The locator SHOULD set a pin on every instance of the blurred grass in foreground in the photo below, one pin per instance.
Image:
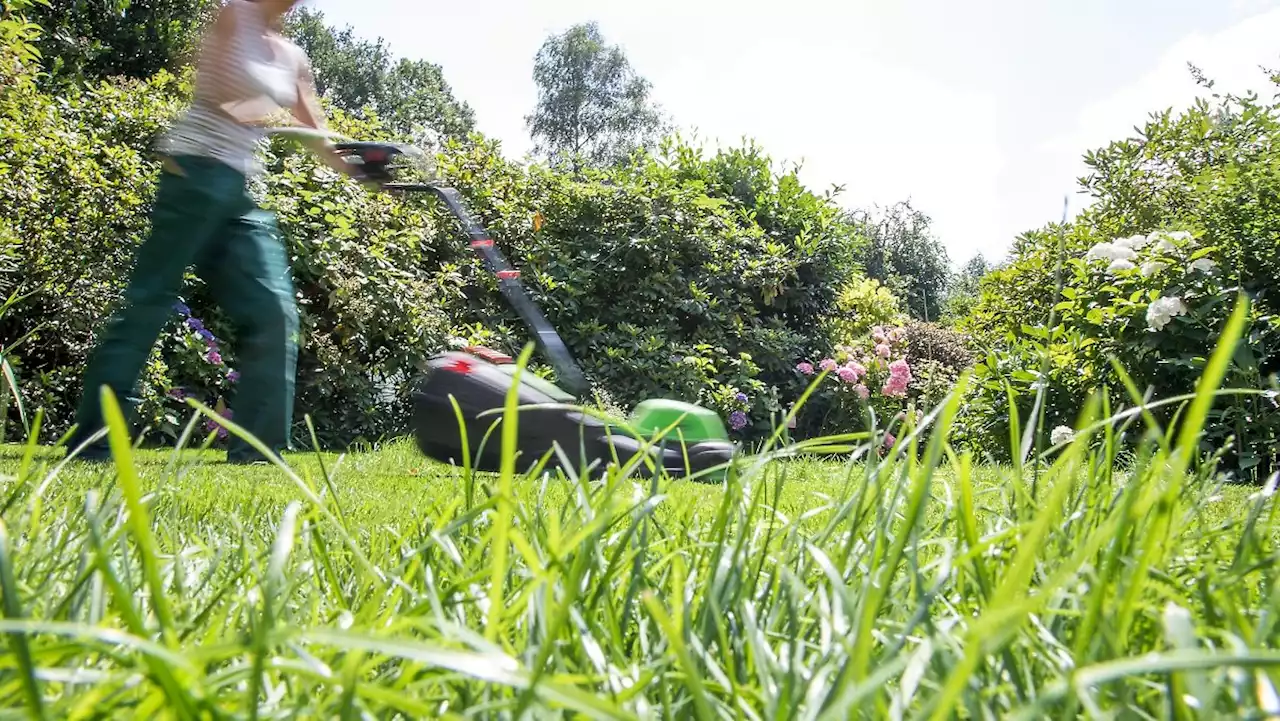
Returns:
(383, 585)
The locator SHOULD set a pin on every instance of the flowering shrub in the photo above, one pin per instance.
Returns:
(198, 370)
(873, 374)
(1154, 301)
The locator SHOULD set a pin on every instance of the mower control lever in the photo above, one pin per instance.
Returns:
(373, 158)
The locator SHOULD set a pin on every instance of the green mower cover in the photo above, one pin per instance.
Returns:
(698, 424)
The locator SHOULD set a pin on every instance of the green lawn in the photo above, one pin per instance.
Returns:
(376, 586)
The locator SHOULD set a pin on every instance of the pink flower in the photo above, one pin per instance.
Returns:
(895, 335)
(848, 375)
(900, 368)
(879, 337)
(895, 387)
(862, 391)
(889, 440)
(827, 365)
(857, 367)
(805, 368)
(215, 357)
(882, 350)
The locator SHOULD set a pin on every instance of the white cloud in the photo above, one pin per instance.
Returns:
(1231, 57)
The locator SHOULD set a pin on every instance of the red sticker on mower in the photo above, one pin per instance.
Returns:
(460, 366)
(508, 274)
(483, 243)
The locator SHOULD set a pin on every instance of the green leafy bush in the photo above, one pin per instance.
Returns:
(1185, 218)
(76, 197)
(947, 347)
(676, 275)
(1154, 303)
(861, 304)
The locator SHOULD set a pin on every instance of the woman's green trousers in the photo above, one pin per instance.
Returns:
(204, 217)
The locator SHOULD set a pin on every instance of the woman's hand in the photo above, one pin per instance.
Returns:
(308, 113)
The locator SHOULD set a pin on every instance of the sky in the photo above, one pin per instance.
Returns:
(978, 113)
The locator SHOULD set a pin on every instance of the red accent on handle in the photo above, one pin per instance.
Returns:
(485, 243)
(489, 354)
(508, 274)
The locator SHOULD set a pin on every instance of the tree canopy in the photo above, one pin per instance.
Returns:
(903, 253)
(593, 107)
(95, 39)
(361, 75)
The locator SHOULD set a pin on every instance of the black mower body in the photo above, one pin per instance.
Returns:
(480, 387)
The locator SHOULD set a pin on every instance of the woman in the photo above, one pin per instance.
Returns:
(204, 216)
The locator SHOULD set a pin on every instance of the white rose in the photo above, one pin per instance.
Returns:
(1110, 251)
(1101, 251)
(1204, 265)
(1150, 268)
(1136, 242)
(1162, 310)
(1061, 434)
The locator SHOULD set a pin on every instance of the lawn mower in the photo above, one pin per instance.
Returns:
(551, 421)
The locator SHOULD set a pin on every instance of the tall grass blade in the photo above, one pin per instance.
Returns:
(18, 641)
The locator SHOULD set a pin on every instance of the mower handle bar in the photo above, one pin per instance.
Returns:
(375, 158)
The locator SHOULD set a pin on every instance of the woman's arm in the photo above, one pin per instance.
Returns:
(308, 112)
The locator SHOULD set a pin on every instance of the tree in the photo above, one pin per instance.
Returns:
(95, 39)
(359, 75)
(963, 293)
(592, 106)
(902, 253)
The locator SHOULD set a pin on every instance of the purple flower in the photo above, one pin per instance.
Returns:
(233, 377)
(181, 309)
(742, 397)
(212, 425)
(207, 335)
(738, 420)
(211, 344)
(195, 324)
(177, 394)
(215, 358)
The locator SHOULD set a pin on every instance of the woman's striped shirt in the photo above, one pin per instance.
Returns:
(257, 67)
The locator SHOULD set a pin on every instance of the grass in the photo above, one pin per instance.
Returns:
(382, 585)
(801, 593)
